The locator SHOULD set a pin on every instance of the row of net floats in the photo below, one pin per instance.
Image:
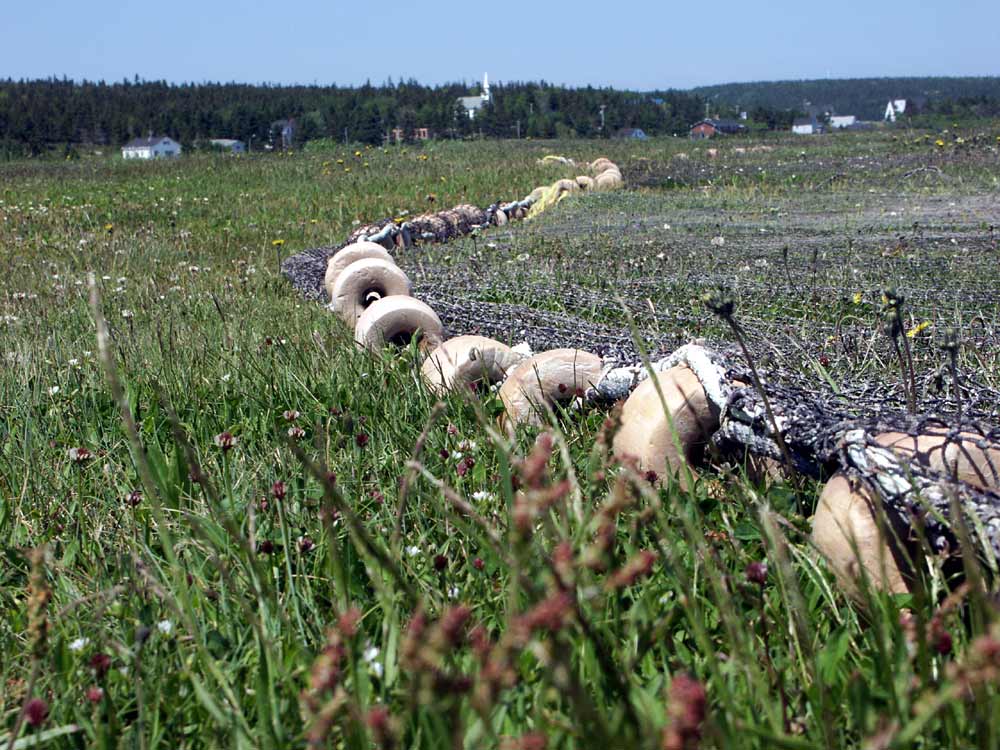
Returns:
(671, 409)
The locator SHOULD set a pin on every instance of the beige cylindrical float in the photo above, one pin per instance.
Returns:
(566, 186)
(552, 376)
(395, 321)
(537, 193)
(663, 436)
(846, 530)
(348, 255)
(364, 282)
(845, 512)
(467, 359)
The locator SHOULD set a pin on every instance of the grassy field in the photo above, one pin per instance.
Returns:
(223, 526)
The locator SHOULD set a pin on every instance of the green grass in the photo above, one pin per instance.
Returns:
(224, 601)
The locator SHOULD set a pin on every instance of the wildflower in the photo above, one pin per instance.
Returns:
(78, 644)
(306, 544)
(687, 712)
(78, 455)
(279, 489)
(296, 433)
(36, 711)
(756, 572)
(633, 570)
(453, 592)
(134, 498)
(165, 626)
(918, 329)
(440, 562)
(109, 228)
(361, 439)
(482, 495)
(277, 243)
(100, 663)
(939, 143)
(265, 547)
(857, 298)
(478, 563)
(226, 441)
(127, 314)
(54, 390)
(95, 694)
(412, 551)
(290, 415)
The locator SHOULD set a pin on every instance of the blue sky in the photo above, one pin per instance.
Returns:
(639, 44)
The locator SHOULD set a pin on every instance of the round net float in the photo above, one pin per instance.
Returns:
(585, 182)
(395, 321)
(960, 457)
(467, 359)
(552, 376)
(349, 254)
(366, 281)
(607, 181)
(846, 530)
(601, 163)
(647, 435)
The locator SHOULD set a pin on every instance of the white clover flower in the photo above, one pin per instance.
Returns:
(413, 550)
(165, 626)
(128, 314)
(74, 362)
(482, 495)
(78, 644)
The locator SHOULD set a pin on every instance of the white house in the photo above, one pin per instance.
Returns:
(842, 121)
(472, 104)
(894, 108)
(807, 126)
(229, 145)
(153, 147)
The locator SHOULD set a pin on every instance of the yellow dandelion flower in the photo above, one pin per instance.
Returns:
(109, 227)
(918, 329)
(857, 298)
(314, 221)
(277, 243)
(939, 143)
(423, 157)
(357, 153)
(347, 169)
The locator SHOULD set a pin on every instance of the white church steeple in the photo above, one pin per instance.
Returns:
(485, 96)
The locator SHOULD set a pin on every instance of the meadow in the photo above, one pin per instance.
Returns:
(223, 525)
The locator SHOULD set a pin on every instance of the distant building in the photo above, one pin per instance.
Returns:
(284, 132)
(632, 133)
(807, 126)
(711, 127)
(838, 122)
(417, 134)
(472, 104)
(152, 147)
(894, 109)
(230, 145)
